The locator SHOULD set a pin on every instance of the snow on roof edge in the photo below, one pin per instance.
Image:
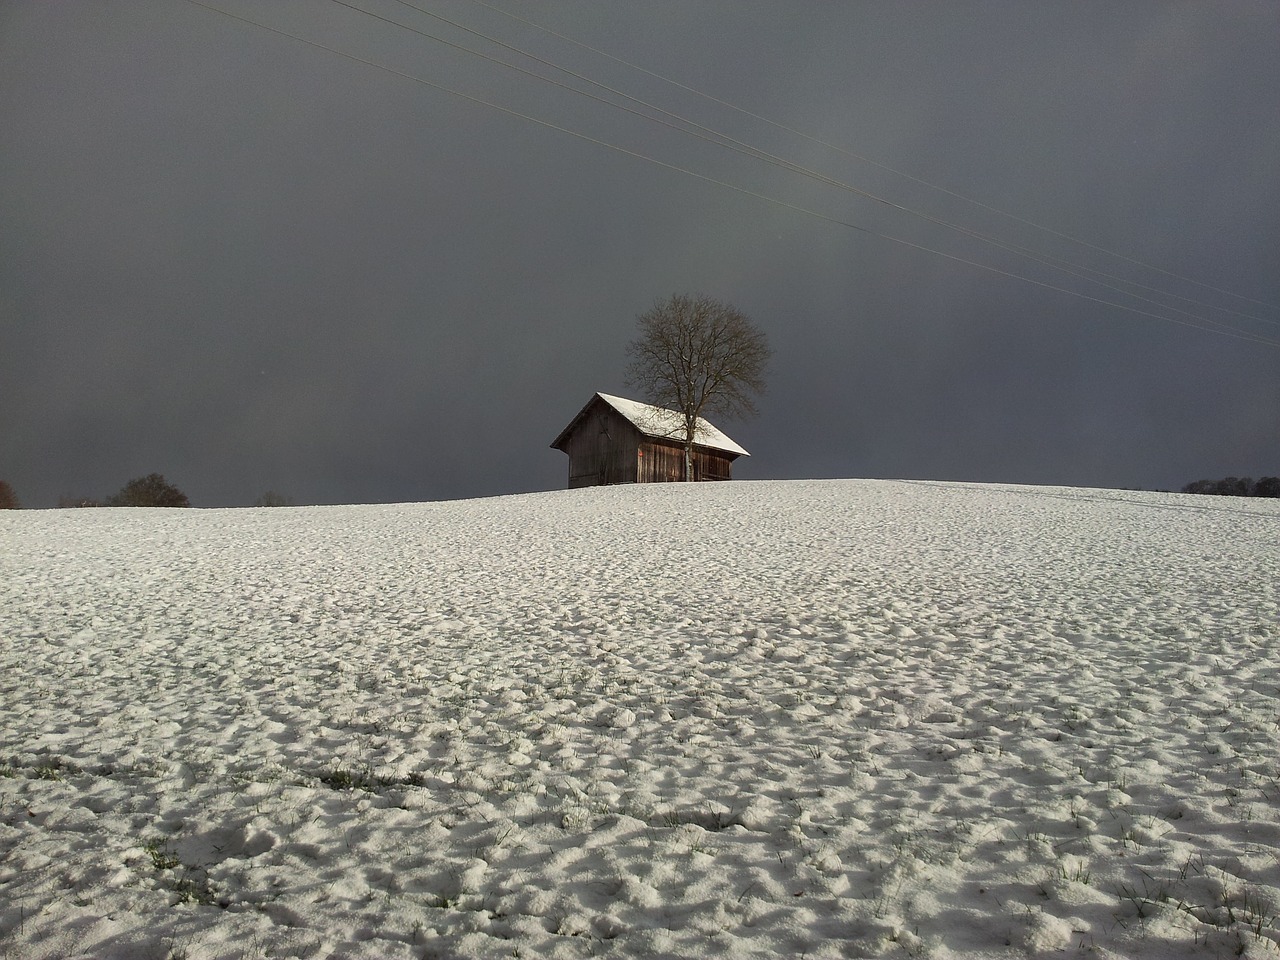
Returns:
(648, 419)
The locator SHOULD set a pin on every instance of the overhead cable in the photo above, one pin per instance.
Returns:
(1201, 325)
(907, 176)
(699, 131)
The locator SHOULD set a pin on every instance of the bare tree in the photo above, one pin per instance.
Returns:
(273, 499)
(697, 357)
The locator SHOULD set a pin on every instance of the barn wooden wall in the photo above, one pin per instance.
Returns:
(659, 462)
(605, 448)
(602, 450)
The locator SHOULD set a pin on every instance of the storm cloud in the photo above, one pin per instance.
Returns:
(249, 262)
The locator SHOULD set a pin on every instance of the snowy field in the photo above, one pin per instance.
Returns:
(786, 719)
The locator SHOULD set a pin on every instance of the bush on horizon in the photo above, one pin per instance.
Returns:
(149, 491)
(1236, 487)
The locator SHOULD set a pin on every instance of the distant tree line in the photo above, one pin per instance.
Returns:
(273, 499)
(153, 490)
(1237, 487)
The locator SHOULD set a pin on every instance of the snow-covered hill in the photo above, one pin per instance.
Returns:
(822, 719)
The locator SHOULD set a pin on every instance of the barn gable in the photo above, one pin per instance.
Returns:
(615, 440)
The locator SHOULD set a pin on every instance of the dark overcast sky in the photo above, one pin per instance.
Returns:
(250, 264)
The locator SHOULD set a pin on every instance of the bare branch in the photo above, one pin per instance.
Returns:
(698, 356)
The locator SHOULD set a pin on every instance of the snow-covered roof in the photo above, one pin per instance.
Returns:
(669, 425)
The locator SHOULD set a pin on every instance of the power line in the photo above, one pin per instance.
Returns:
(914, 179)
(710, 135)
(717, 138)
(1241, 335)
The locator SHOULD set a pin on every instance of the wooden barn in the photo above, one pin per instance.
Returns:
(613, 440)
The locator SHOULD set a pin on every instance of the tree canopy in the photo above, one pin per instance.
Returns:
(698, 357)
(149, 491)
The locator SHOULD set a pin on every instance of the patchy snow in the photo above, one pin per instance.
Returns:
(822, 719)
